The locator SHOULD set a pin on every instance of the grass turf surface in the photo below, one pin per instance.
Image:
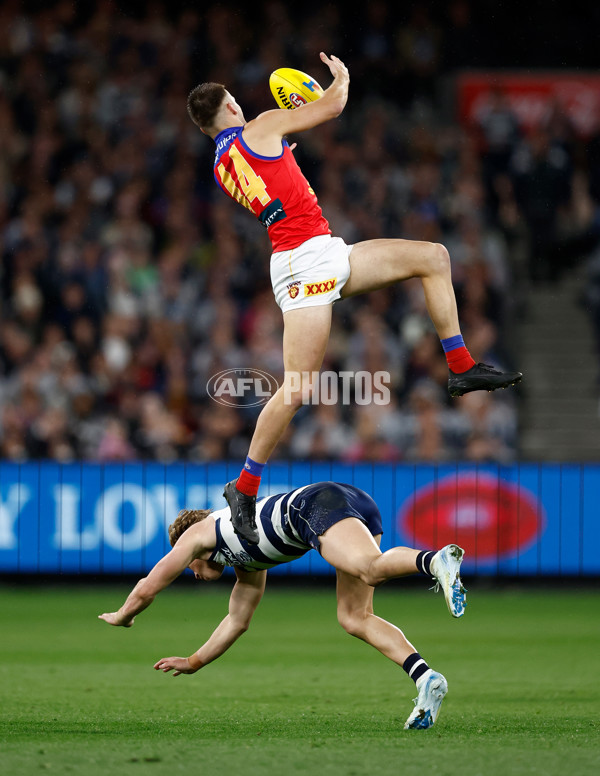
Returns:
(296, 695)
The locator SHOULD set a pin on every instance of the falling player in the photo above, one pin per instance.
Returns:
(310, 269)
(341, 522)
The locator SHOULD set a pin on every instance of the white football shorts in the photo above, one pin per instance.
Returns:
(312, 274)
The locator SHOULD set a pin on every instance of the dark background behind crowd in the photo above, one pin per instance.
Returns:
(128, 279)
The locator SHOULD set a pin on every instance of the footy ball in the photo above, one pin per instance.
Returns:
(293, 88)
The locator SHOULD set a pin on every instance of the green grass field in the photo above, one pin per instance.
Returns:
(296, 695)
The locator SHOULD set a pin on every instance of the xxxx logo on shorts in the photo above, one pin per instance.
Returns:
(313, 289)
(293, 289)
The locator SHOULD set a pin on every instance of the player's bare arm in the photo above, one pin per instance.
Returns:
(245, 597)
(263, 134)
(191, 546)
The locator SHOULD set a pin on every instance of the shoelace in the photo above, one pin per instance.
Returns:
(436, 588)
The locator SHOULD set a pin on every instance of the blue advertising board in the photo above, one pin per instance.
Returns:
(518, 520)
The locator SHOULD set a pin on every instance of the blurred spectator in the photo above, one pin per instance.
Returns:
(323, 435)
(114, 445)
(427, 432)
(489, 426)
(462, 38)
(591, 296)
(542, 172)
(500, 132)
(419, 43)
(371, 442)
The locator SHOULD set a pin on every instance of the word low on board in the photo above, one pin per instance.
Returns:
(518, 520)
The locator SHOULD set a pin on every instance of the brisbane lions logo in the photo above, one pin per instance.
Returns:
(297, 99)
(293, 289)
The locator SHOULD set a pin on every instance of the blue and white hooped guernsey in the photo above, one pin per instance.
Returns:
(290, 524)
(279, 542)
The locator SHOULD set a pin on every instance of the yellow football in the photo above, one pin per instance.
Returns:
(292, 88)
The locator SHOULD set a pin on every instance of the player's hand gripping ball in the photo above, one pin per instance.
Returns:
(293, 88)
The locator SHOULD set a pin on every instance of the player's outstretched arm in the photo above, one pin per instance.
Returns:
(166, 570)
(277, 123)
(245, 597)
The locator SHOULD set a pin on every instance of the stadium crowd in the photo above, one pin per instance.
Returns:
(128, 279)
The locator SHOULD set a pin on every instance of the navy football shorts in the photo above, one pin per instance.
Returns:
(323, 504)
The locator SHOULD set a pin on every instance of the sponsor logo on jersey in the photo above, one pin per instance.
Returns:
(272, 213)
(225, 142)
(241, 558)
(314, 289)
(298, 99)
(293, 289)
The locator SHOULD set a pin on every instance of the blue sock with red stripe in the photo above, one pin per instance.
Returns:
(249, 479)
(458, 357)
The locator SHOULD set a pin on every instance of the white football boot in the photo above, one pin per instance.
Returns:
(445, 568)
(427, 705)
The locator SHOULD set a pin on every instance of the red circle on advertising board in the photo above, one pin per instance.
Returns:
(487, 517)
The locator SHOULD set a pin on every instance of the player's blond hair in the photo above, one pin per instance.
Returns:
(184, 520)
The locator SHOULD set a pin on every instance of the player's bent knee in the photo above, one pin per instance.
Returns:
(440, 258)
(298, 388)
(373, 580)
(352, 622)
(370, 576)
(294, 399)
(432, 259)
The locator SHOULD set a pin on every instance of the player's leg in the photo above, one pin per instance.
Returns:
(376, 264)
(305, 336)
(349, 547)
(379, 263)
(356, 616)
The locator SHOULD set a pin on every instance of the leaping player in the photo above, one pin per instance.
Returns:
(344, 524)
(310, 269)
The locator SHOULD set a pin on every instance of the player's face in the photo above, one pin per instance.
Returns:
(205, 570)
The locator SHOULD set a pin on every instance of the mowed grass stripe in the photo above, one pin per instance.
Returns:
(296, 694)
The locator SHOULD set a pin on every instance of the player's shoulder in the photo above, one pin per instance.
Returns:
(261, 143)
(202, 534)
(265, 117)
(267, 123)
(220, 514)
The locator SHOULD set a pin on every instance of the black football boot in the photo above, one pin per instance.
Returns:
(243, 512)
(480, 377)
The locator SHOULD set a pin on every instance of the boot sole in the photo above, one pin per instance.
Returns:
(460, 390)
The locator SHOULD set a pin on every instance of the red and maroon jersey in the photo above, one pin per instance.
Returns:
(272, 187)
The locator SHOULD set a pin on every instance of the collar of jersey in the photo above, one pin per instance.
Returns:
(225, 138)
